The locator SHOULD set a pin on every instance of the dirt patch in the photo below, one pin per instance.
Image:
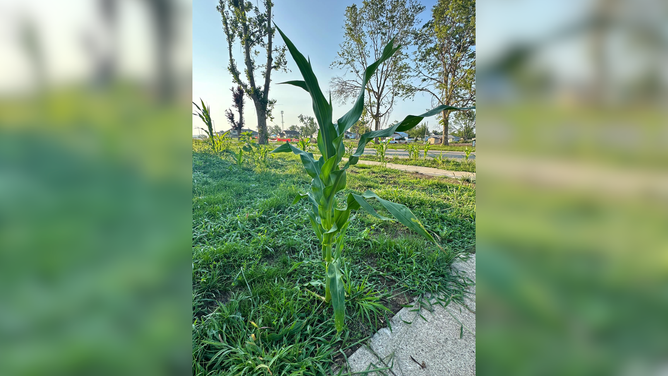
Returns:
(212, 302)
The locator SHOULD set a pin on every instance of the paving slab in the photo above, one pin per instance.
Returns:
(443, 344)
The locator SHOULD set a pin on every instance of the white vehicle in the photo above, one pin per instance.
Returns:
(399, 140)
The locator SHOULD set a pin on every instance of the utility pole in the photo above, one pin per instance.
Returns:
(282, 125)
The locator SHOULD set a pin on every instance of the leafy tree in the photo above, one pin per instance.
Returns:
(253, 28)
(465, 124)
(293, 128)
(309, 126)
(418, 132)
(238, 99)
(367, 30)
(274, 129)
(445, 56)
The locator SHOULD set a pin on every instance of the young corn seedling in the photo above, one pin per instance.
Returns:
(381, 149)
(304, 144)
(413, 152)
(467, 153)
(204, 113)
(426, 149)
(350, 149)
(439, 158)
(328, 219)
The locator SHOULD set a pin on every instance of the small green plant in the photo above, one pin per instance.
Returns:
(413, 151)
(238, 156)
(350, 149)
(261, 155)
(248, 147)
(328, 219)
(440, 159)
(467, 153)
(304, 144)
(427, 146)
(204, 113)
(381, 150)
(223, 142)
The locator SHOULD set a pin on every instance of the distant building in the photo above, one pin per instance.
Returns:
(290, 134)
(350, 135)
(435, 140)
(453, 138)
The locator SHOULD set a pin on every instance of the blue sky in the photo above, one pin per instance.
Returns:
(316, 29)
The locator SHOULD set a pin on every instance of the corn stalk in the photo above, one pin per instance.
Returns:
(329, 221)
(204, 113)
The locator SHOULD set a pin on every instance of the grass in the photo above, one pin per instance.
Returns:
(447, 163)
(257, 267)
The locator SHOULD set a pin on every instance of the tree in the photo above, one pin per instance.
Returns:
(465, 124)
(367, 30)
(362, 125)
(238, 99)
(309, 126)
(254, 33)
(445, 56)
(418, 132)
(293, 128)
(274, 129)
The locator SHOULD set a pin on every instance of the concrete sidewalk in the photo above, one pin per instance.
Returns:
(431, 347)
(423, 170)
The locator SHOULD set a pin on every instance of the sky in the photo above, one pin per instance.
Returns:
(316, 29)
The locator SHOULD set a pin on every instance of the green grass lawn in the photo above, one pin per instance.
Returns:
(257, 265)
(447, 163)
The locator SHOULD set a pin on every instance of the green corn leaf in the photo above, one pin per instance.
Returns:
(316, 227)
(361, 203)
(338, 183)
(352, 116)
(299, 197)
(301, 84)
(337, 290)
(311, 166)
(321, 108)
(402, 214)
(327, 168)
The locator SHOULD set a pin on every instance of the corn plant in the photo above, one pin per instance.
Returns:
(350, 149)
(439, 158)
(381, 149)
(328, 219)
(427, 146)
(223, 142)
(304, 144)
(413, 151)
(204, 113)
(238, 156)
(467, 153)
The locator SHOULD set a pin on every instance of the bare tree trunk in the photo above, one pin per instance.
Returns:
(446, 116)
(376, 128)
(261, 111)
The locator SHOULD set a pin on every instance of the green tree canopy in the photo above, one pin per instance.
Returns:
(445, 56)
(464, 122)
(367, 30)
(418, 132)
(309, 126)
